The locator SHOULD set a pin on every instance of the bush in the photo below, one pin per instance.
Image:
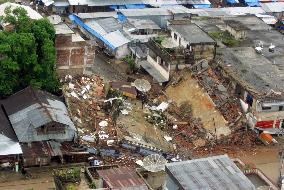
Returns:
(131, 62)
(68, 175)
(226, 38)
(93, 185)
(159, 39)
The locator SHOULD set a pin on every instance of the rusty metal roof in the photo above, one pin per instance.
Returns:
(123, 178)
(124, 87)
(5, 126)
(30, 109)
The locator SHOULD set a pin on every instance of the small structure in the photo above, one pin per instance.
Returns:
(126, 88)
(236, 29)
(188, 35)
(217, 172)
(74, 54)
(122, 178)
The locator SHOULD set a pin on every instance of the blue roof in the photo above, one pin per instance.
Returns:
(79, 22)
(232, 2)
(202, 6)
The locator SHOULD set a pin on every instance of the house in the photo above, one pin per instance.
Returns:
(74, 54)
(36, 115)
(216, 172)
(158, 15)
(121, 178)
(107, 33)
(36, 123)
(273, 8)
(161, 60)
(257, 82)
(10, 149)
(189, 35)
(236, 29)
(84, 6)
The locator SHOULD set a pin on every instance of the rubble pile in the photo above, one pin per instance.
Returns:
(85, 99)
(226, 103)
(186, 131)
(126, 159)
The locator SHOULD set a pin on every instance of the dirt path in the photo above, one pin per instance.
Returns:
(202, 105)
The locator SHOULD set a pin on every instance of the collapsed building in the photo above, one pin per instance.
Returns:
(253, 67)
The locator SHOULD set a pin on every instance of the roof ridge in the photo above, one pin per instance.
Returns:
(40, 101)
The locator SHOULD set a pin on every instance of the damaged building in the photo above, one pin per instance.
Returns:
(188, 35)
(40, 122)
(74, 54)
(254, 68)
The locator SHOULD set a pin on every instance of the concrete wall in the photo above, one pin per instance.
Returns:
(73, 57)
(201, 51)
(241, 34)
(122, 51)
(163, 71)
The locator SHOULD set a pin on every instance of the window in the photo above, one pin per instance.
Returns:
(175, 36)
(266, 108)
(280, 108)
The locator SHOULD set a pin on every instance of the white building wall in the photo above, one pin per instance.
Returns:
(122, 51)
(163, 72)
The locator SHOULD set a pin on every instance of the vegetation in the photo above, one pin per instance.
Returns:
(225, 38)
(68, 175)
(131, 63)
(27, 53)
(159, 39)
(93, 185)
(4, 1)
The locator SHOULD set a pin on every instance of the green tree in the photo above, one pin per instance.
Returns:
(27, 54)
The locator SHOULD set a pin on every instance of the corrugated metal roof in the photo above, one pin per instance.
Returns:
(145, 12)
(62, 29)
(122, 178)
(191, 33)
(217, 172)
(29, 109)
(5, 127)
(95, 26)
(105, 2)
(97, 15)
(8, 146)
(144, 24)
(109, 24)
(274, 7)
(116, 38)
